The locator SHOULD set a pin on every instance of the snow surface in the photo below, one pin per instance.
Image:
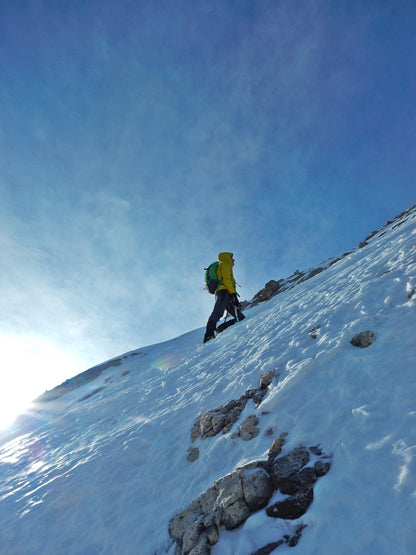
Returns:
(104, 468)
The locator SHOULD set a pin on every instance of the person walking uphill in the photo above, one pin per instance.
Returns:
(225, 297)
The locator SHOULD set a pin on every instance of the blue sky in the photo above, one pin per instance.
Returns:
(139, 139)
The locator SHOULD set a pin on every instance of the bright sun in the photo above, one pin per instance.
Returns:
(29, 367)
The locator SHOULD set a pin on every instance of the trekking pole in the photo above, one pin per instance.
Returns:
(237, 319)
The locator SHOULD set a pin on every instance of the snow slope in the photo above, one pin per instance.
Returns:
(103, 468)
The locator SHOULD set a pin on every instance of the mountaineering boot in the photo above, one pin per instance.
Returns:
(208, 337)
(225, 325)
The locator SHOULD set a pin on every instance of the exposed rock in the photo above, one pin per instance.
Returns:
(276, 448)
(312, 273)
(302, 480)
(267, 549)
(222, 418)
(363, 339)
(248, 429)
(196, 429)
(290, 464)
(257, 488)
(193, 535)
(291, 541)
(293, 507)
(212, 534)
(313, 333)
(321, 467)
(91, 393)
(294, 538)
(270, 290)
(193, 454)
(266, 379)
(235, 515)
(182, 521)
(202, 546)
(230, 501)
(217, 420)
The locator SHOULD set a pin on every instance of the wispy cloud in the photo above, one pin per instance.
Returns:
(154, 137)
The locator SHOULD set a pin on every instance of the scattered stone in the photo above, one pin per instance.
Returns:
(248, 429)
(222, 418)
(293, 540)
(267, 549)
(94, 392)
(316, 450)
(411, 293)
(193, 454)
(363, 339)
(312, 333)
(269, 432)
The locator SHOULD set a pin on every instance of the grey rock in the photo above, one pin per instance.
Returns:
(292, 507)
(286, 466)
(202, 546)
(182, 521)
(321, 467)
(257, 488)
(193, 454)
(363, 339)
(230, 489)
(266, 379)
(230, 501)
(248, 429)
(191, 536)
(267, 549)
(236, 514)
(276, 447)
(213, 534)
(300, 481)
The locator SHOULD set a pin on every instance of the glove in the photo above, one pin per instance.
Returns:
(234, 300)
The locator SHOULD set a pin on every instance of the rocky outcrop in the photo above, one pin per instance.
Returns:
(274, 287)
(222, 418)
(232, 499)
(271, 289)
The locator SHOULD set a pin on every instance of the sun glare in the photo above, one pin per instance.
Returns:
(29, 367)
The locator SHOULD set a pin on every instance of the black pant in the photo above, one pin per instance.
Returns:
(222, 302)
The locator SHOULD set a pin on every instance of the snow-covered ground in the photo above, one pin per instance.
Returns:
(104, 468)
